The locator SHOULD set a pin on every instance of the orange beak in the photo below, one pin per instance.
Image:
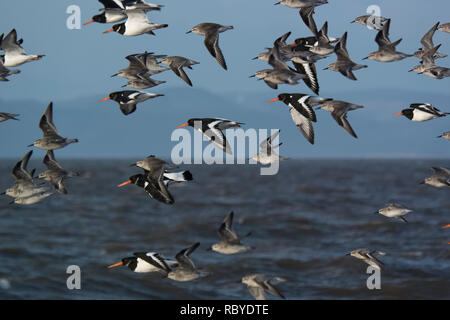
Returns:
(106, 99)
(85, 24)
(293, 43)
(398, 114)
(445, 227)
(108, 31)
(183, 125)
(273, 100)
(115, 265)
(125, 183)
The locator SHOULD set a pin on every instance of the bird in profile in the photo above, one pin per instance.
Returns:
(445, 135)
(394, 210)
(419, 112)
(371, 21)
(152, 180)
(129, 99)
(302, 112)
(368, 256)
(445, 27)
(5, 72)
(137, 24)
(339, 111)
(230, 242)
(55, 174)
(212, 128)
(25, 191)
(386, 49)
(440, 178)
(267, 153)
(428, 44)
(258, 284)
(281, 73)
(142, 65)
(112, 12)
(177, 63)
(14, 53)
(298, 4)
(51, 140)
(4, 116)
(211, 32)
(428, 66)
(344, 64)
(185, 267)
(322, 45)
(145, 262)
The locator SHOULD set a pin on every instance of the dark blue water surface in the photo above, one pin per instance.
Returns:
(303, 222)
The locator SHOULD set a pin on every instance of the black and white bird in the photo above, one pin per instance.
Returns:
(177, 63)
(211, 32)
(113, 11)
(368, 256)
(258, 284)
(440, 178)
(129, 99)
(145, 262)
(386, 49)
(153, 180)
(212, 128)
(302, 112)
(14, 54)
(419, 112)
(230, 242)
(4, 116)
(344, 64)
(137, 24)
(51, 139)
(339, 111)
(185, 269)
(55, 174)
(394, 210)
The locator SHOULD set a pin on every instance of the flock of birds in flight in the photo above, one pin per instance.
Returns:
(158, 175)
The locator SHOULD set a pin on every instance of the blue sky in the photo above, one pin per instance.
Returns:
(79, 63)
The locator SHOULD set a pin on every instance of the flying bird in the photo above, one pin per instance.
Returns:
(14, 53)
(145, 262)
(112, 12)
(419, 112)
(177, 63)
(440, 178)
(230, 242)
(386, 49)
(267, 153)
(344, 64)
(211, 32)
(339, 111)
(371, 21)
(51, 140)
(394, 210)
(55, 174)
(428, 44)
(4, 116)
(136, 24)
(302, 112)
(257, 284)
(212, 128)
(368, 256)
(129, 99)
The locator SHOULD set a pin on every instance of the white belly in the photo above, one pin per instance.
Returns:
(420, 116)
(16, 60)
